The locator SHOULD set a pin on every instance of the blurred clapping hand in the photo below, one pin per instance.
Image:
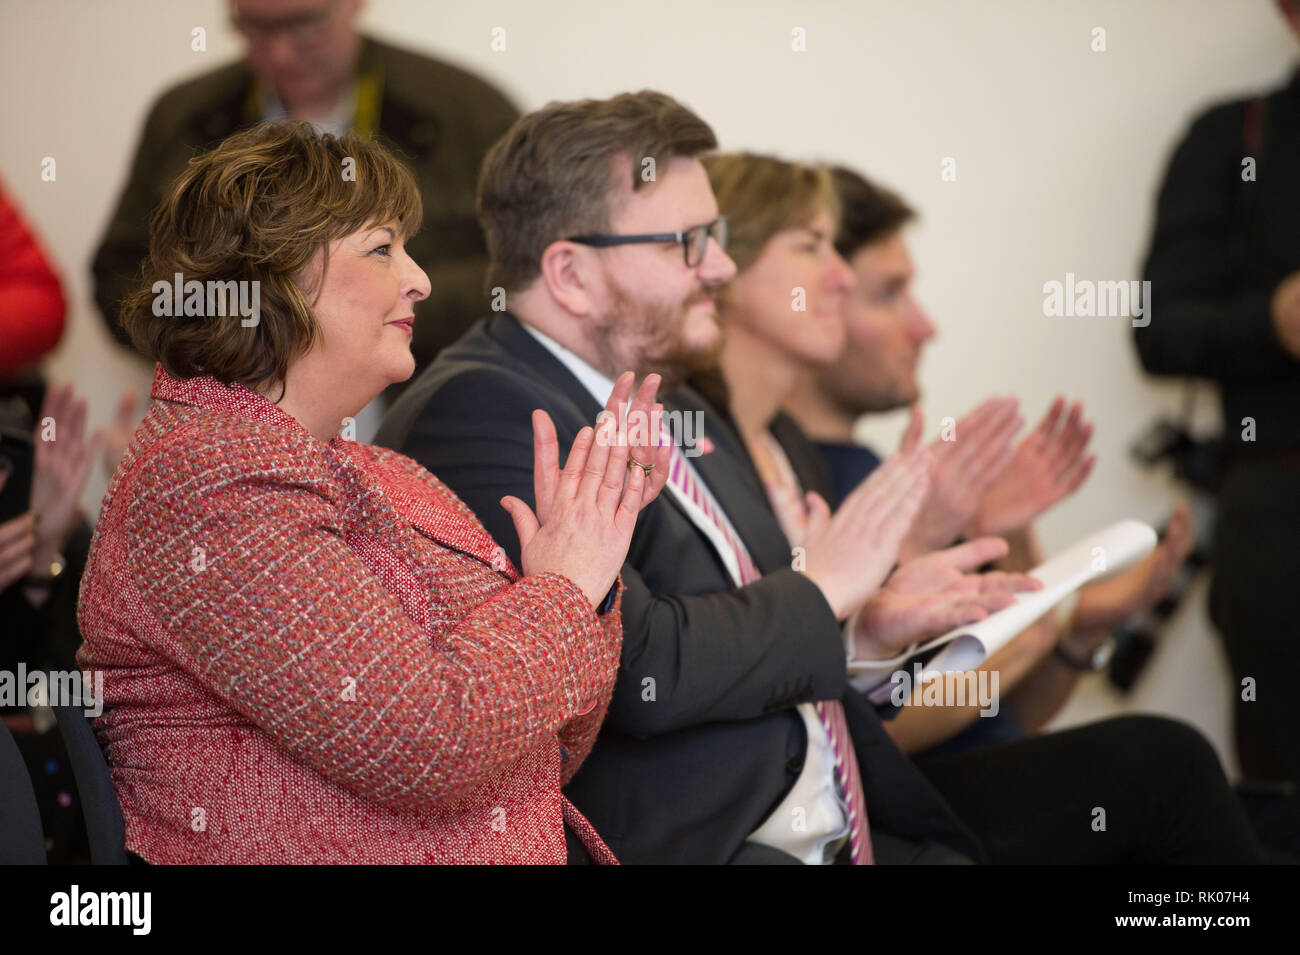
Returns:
(32, 543)
(1104, 606)
(964, 467)
(1049, 465)
(17, 544)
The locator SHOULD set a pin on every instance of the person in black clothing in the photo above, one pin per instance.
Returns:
(1224, 267)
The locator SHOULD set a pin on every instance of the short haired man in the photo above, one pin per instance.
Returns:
(306, 59)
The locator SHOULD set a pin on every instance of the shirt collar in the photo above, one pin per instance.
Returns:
(596, 383)
(336, 124)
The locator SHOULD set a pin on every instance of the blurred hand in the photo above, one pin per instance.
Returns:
(932, 594)
(1049, 464)
(796, 514)
(17, 544)
(586, 512)
(849, 554)
(1104, 606)
(1285, 311)
(962, 472)
(119, 433)
(60, 469)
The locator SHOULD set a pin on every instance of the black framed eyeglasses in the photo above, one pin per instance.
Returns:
(694, 241)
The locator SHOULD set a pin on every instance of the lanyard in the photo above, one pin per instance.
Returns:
(370, 88)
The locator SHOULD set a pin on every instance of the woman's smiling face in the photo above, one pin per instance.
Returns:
(366, 312)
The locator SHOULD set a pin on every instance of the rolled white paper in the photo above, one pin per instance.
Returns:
(1095, 557)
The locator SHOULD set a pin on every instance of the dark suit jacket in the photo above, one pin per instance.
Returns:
(702, 739)
(439, 119)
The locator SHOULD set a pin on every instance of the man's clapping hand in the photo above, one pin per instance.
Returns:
(962, 471)
(586, 513)
(1049, 464)
(1104, 606)
(61, 467)
(17, 545)
(931, 594)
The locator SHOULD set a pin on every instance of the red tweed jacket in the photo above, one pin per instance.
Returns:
(308, 655)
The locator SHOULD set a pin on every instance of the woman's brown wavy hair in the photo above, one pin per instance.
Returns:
(258, 207)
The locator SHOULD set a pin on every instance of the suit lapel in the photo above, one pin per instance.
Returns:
(730, 475)
(440, 516)
(535, 361)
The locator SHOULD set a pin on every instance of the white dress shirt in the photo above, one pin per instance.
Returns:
(338, 122)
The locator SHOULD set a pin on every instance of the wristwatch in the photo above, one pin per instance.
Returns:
(1097, 660)
(51, 574)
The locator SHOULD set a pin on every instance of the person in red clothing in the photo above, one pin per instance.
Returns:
(32, 307)
(312, 651)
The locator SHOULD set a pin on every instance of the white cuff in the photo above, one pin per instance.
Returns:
(865, 674)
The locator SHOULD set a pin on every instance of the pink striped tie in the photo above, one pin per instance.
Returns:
(831, 712)
(846, 769)
(683, 478)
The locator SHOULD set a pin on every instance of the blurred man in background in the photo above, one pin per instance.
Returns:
(306, 60)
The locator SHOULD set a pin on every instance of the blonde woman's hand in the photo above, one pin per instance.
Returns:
(851, 552)
(965, 465)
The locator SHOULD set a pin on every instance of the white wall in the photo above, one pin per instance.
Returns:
(1058, 148)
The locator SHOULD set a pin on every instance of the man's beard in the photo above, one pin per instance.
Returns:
(649, 338)
(860, 395)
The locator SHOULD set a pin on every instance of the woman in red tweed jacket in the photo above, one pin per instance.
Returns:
(312, 650)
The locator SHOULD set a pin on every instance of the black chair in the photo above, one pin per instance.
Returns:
(22, 838)
(104, 825)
